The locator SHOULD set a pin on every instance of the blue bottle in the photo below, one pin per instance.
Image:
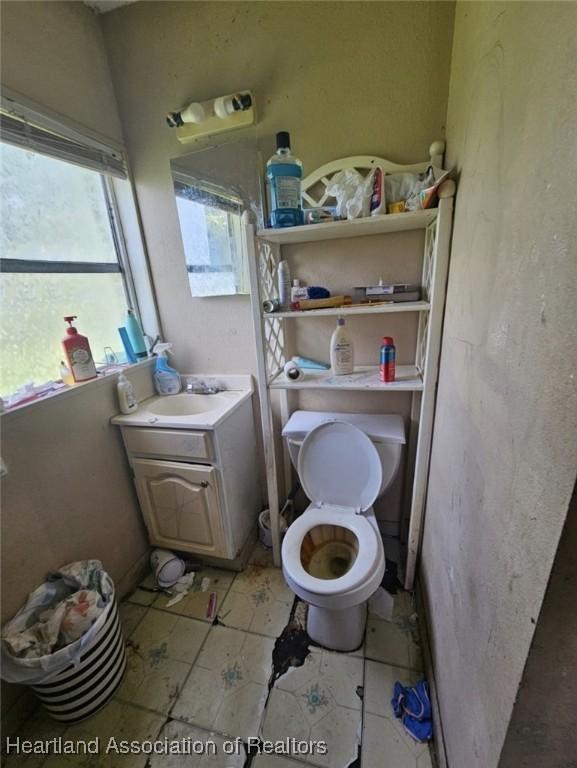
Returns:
(135, 335)
(284, 173)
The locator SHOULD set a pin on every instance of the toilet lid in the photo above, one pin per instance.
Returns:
(339, 465)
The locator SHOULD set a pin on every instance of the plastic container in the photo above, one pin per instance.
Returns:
(135, 334)
(387, 360)
(167, 567)
(284, 172)
(77, 353)
(166, 379)
(126, 399)
(264, 528)
(342, 352)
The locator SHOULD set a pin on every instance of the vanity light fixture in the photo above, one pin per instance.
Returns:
(204, 118)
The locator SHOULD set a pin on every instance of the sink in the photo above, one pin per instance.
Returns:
(191, 411)
(187, 405)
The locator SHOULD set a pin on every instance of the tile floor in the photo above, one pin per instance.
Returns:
(214, 682)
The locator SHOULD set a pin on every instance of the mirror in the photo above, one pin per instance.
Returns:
(213, 188)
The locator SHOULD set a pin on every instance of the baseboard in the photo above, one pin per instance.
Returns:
(423, 612)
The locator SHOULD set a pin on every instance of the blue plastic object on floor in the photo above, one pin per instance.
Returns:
(417, 702)
(413, 705)
(420, 730)
(398, 699)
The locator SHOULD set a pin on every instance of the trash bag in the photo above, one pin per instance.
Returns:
(59, 620)
(352, 192)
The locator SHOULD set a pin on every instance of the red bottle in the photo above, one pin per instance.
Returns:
(77, 353)
(387, 359)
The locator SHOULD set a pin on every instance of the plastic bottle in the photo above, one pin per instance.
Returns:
(66, 374)
(126, 398)
(77, 353)
(387, 360)
(284, 173)
(342, 352)
(284, 284)
(298, 291)
(135, 335)
(166, 379)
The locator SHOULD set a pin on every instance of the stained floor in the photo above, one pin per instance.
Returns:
(252, 672)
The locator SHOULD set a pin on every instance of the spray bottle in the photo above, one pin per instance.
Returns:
(166, 379)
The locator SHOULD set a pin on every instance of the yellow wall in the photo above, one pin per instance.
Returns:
(68, 493)
(344, 78)
(52, 53)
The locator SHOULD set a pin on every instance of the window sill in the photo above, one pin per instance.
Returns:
(103, 378)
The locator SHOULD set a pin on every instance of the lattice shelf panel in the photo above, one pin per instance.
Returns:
(274, 336)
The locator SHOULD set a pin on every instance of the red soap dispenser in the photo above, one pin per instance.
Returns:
(77, 353)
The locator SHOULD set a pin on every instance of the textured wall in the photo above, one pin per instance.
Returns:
(344, 78)
(504, 454)
(544, 736)
(68, 493)
(52, 52)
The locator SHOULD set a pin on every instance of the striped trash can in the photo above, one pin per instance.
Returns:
(80, 690)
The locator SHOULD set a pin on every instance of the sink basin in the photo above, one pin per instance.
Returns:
(187, 405)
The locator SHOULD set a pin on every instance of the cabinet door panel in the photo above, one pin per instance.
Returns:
(180, 505)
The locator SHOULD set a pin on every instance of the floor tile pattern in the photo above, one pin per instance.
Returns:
(219, 685)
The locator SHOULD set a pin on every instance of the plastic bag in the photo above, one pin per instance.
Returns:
(353, 192)
(56, 600)
(407, 186)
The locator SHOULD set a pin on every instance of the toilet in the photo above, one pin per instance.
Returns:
(332, 555)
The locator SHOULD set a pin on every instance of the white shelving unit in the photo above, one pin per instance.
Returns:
(367, 309)
(365, 377)
(265, 251)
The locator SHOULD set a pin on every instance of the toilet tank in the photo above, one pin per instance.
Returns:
(387, 431)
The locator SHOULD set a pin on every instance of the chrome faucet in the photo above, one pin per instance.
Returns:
(197, 387)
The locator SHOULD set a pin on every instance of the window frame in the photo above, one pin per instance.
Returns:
(232, 205)
(120, 266)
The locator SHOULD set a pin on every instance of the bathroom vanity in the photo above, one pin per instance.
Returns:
(193, 459)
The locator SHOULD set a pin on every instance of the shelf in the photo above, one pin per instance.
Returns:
(333, 230)
(365, 377)
(354, 309)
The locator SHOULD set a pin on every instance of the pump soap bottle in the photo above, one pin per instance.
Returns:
(126, 397)
(77, 353)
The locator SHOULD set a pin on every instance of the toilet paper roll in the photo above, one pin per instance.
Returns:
(293, 372)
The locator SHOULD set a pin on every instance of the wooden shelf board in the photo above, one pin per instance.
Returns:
(333, 230)
(354, 309)
(365, 377)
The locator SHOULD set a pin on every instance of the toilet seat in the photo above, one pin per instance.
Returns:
(366, 562)
(340, 471)
(339, 465)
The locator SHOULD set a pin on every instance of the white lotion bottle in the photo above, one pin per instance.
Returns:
(126, 398)
(342, 352)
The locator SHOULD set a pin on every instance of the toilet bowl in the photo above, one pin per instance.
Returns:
(333, 555)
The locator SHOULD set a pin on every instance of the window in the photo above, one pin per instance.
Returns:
(210, 223)
(60, 255)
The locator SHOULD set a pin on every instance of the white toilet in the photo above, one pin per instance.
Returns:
(333, 555)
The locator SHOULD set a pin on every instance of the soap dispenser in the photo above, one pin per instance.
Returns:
(77, 353)
(126, 397)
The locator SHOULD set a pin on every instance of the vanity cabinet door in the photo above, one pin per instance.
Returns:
(180, 505)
